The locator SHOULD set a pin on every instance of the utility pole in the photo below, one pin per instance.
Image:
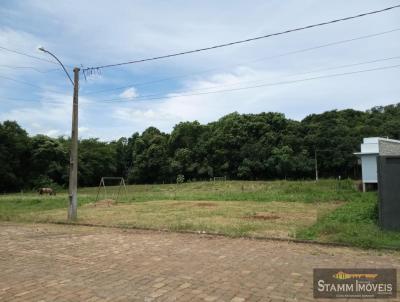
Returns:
(316, 165)
(73, 161)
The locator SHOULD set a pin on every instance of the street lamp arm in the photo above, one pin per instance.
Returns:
(69, 77)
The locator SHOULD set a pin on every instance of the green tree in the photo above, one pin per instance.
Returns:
(49, 159)
(14, 157)
(150, 157)
(96, 159)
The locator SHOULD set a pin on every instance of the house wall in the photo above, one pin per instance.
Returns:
(389, 148)
(369, 168)
(370, 149)
(370, 146)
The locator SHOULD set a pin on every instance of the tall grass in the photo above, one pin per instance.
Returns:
(355, 223)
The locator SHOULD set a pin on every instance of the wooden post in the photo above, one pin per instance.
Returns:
(316, 165)
(99, 188)
(126, 192)
(73, 164)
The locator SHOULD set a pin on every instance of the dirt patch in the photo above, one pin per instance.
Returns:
(104, 203)
(193, 204)
(262, 216)
(181, 203)
(205, 204)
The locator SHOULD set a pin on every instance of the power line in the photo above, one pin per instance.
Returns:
(228, 90)
(247, 62)
(26, 55)
(26, 83)
(19, 81)
(258, 81)
(30, 56)
(31, 101)
(28, 67)
(155, 96)
(90, 69)
(345, 66)
(318, 70)
(261, 85)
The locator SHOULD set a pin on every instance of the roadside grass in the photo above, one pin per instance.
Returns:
(13, 207)
(328, 211)
(355, 223)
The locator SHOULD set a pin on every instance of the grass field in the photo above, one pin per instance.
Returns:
(325, 211)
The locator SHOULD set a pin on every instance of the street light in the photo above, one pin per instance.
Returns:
(41, 48)
(73, 162)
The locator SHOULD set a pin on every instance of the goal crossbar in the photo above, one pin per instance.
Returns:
(220, 178)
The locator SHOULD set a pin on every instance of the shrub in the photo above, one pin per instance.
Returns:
(180, 179)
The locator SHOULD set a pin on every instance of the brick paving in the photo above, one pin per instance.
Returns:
(73, 263)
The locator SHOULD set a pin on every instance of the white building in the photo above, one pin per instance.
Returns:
(371, 148)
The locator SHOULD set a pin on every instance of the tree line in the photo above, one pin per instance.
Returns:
(238, 146)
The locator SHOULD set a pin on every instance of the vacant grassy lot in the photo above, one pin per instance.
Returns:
(325, 211)
(249, 218)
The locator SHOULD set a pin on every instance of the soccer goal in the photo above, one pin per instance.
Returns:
(111, 187)
(220, 178)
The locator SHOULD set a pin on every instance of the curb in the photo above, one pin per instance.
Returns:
(210, 234)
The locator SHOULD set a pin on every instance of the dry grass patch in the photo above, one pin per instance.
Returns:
(102, 203)
(263, 216)
(205, 204)
(247, 218)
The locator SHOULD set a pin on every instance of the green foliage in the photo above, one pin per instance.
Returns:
(240, 146)
(44, 181)
(354, 223)
(14, 156)
(150, 157)
(180, 179)
(49, 157)
(96, 159)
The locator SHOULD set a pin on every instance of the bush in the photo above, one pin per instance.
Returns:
(180, 179)
(44, 181)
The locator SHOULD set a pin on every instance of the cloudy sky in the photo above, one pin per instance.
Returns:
(119, 101)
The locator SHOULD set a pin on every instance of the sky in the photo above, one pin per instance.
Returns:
(115, 102)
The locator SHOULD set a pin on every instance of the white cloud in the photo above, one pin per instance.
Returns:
(83, 129)
(129, 93)
(205, 108)
(49, 114)
(296, 100)
(53, 133)
(20, 41)
(133, 30)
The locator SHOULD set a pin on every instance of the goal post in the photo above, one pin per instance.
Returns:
(120, 182)
(220, 178)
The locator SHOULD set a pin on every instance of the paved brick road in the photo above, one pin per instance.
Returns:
(66, 263)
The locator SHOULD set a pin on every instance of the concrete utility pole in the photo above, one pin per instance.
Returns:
(73, 161)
